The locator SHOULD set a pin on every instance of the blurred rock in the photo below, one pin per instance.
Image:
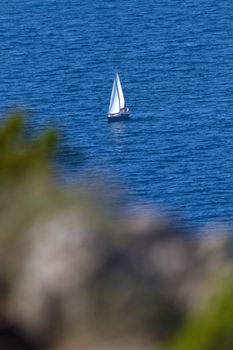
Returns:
(108, 279)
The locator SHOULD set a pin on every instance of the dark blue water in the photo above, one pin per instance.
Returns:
(175, 60)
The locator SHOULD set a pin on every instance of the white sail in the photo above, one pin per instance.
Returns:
(114, 106)
(120, 92)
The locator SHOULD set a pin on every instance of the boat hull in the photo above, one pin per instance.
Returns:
(118, 117)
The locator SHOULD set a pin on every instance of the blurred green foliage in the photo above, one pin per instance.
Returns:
(24, 185)
(20, 156)
(212, 327)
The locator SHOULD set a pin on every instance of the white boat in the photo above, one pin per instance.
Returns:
(117, 108)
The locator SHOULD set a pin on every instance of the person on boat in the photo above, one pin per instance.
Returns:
(124, 109)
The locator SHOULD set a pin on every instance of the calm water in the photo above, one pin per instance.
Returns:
(175, 60)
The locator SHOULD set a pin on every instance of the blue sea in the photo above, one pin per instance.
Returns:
(175, 60)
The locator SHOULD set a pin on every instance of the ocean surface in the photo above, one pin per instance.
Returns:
(175, 60)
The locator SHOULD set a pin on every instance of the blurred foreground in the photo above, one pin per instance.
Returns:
(73, 277)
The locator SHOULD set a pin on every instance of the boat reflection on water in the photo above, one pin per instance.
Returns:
(118, 129)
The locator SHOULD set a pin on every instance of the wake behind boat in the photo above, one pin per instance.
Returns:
(117, 108)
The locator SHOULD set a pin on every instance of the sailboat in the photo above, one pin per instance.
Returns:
(117, 108)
